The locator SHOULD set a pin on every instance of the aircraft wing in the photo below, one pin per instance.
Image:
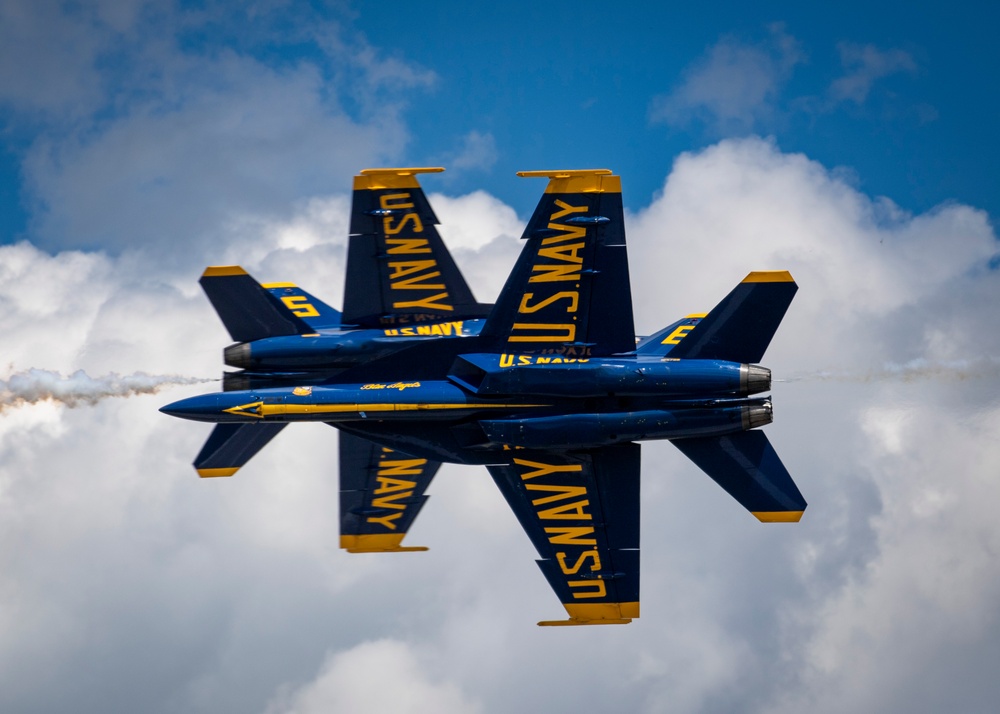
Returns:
(231, 446)
(581, 512)
(381, 493)
(748, 468)
(569, 290)
(398, 268)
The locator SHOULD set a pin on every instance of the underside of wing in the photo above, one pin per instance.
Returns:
(381, 493)
(231, 446)
(748, 468)
(581, 512)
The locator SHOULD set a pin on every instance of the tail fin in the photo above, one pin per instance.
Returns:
(569, 291)
(231, 446)
(747, 467)
(660, 344)
(741, 326)
(248, 311)
(398, 268)
(313, 311)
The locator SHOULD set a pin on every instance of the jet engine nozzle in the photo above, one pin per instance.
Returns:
(757, 415)
(754, 378)
(238, 355)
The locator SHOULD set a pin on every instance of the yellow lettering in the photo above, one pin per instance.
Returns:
(598, 588)
(567, 512)
(567, 253)
(391, 201)
(556, 273)
(407, 246)
(386, 521)
(544, 469)
(300, 306)
(523, 359)
(390, 501)
(392, 230)
(677, 335)
(572, 296)
(409, 267)
(543, 360)
(591, 554)
(568, 332)
(506, 360)
(415, 283)
(388, 485)
(571, 535)
(566, 210)
(569, 233)
(428, 303)
(408, 467)
(560, 492)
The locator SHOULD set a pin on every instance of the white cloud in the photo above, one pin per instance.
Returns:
(138, 587)
(864, 65)
(385, 675)
(734, 86)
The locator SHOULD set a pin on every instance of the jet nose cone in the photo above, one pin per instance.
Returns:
(204, 407)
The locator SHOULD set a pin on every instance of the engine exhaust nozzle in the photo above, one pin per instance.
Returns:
(754, 379)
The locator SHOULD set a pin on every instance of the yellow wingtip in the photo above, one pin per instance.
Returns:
(217, 473)
(214, 271)
(769, 276)
(778, 516)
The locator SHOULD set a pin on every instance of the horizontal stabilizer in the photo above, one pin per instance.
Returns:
(381, 493)
(231, 446)
(748, 468)
(740, 327)
(313, 311)
(246, 308)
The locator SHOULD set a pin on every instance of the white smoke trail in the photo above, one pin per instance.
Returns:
(912, 371)
(39, 385)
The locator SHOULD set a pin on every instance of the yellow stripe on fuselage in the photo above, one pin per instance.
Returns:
(260, 410)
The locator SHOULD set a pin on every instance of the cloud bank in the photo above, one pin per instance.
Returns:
(135, 586)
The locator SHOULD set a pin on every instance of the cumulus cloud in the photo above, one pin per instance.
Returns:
(356, 680)
(734, 86)
(138, 587)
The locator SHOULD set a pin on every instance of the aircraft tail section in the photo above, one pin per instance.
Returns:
(660, 343)
(748, 468)
(231, 446)
(740, 327)
(393, 237)
(569, 291)
(313, 311)
(246, 308)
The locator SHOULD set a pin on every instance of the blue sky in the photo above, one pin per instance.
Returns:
(853, 146)
(901, 97)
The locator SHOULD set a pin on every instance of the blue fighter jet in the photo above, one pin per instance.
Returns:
(551, 396)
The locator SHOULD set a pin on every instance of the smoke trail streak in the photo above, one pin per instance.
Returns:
(913, 371)
(39, 385)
